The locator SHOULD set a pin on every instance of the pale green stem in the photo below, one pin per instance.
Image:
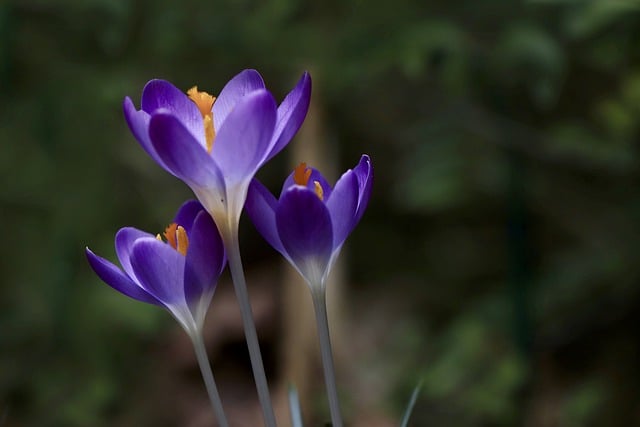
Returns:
(207, 376)
(240, 285)
(320, 307)
(294, 407)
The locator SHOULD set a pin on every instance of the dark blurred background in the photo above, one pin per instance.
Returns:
(497, 262)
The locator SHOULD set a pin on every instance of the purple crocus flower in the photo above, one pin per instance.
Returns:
(180, 274)
(308, 226)
(216, 145)
(310, 222)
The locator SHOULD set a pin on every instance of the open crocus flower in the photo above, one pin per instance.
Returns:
(216, 145)
(179, 274)
(310, 222)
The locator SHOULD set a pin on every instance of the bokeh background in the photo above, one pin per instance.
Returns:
(497, 262)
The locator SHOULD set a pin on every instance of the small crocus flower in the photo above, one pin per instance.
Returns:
(179, 273)
(310, 222)
(308, 225)
(216, 145)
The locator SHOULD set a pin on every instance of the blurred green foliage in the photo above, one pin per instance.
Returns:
(505, 140)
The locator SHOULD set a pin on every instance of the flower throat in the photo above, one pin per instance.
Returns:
(301, 175)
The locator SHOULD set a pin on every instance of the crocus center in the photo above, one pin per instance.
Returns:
(204, 102)
(301, 176)
(176, 237)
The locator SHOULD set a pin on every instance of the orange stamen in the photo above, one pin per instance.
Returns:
(170, 234)
(204, 102)
(183, 241)
(176, 237)
(301, 174)
(318, 189)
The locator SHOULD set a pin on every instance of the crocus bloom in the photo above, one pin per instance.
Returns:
(216, 145)
(310, 222)
(180, 274)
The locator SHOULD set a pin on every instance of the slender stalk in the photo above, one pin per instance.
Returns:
(320, 308)
(240, 285)
(207, 376)
(294, 407)
(410, 405)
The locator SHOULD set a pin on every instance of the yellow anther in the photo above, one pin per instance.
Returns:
(183, 241)
(209, 132)
(204, 102)
(318, 189)
(176, 237)
(301, 174)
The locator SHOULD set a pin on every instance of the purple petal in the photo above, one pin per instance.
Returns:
(291, 114)
(160, 94)
(187, 214)
(304, 225)
(261, 207)
(243, 140)
(138, 122)
(182, 153)
(205, 258)
(114, 277)
(125, 238)
(160, 270)
(364, 172)
(342, 205)
(245, 82)
(315, 176)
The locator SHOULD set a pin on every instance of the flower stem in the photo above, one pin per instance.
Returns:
(207, 376)
(320, 308)
(240, 285)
